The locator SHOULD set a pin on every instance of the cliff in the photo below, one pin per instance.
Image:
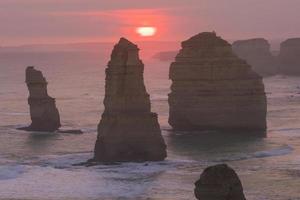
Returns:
(128, 130)
(43, 111)
(257, 53)
(289, 57)
(213, 89)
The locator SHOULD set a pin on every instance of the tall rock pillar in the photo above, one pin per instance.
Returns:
(43, 111)
(128, 130)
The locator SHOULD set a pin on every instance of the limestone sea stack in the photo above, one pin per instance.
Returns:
(128, 130)
(219, 182)
(43, 111)
(213, 89)
(165, 56)
(257, 52)
(289, 57)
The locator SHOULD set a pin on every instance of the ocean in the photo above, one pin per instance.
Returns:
(39, 166)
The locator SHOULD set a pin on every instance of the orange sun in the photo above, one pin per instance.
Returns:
(146, 31)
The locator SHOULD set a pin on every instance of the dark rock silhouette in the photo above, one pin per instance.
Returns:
(43, 111)
(289, 57)
(212, 89)
(128, 131)
(257, 52)
(219, 182)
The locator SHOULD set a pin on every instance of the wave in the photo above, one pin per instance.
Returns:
(69, 160)
(281, 151)
(284, 150)
(89, 130)
(56, 173)
(15, 113)
(157, 97)
(64, 161)
(11, 171)
(285, 129)
(46, 174)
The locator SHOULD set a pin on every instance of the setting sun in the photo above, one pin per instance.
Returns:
(146, 31)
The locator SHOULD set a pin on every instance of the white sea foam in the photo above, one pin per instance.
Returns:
(158, 97)
(15, 113)
(128, 180)
(280, 151)
(64, 161)
(11, 171)
(89, 130)
(284, 150)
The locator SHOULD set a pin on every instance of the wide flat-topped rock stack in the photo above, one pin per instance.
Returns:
(43, 111)
(128, 130)
(289, 57)
(213, 89)
(257, 52)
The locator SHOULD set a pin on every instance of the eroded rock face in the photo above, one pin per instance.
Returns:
(43, 111)
(289, 57)
(212, 89)
(258, 54)
(219, 182)
(128, 130)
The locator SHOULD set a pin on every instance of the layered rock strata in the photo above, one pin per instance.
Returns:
(128, 130)
(43, 112)
(289, 57)
(219, 182)
(257, 52)
(213, 89)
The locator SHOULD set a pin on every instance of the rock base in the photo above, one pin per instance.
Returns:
(129, 138)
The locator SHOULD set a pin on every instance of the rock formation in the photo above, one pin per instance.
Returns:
(219, 182)
(257, 52)
(43, 111)
(128, 130)
(165, 55)
(212, 89)
(289, 57)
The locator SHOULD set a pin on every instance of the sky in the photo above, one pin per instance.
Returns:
(68, 21)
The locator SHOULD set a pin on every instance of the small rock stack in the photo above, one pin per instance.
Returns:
(219, 182)
(43, 111)
(257, 52)
(213, 89)
(289, 57)
(128, 130)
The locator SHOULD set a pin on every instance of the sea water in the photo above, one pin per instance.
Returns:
(39, 166)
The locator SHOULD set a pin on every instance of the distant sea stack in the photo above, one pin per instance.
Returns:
(165, 55)
(212, 89)
(257, 52)
(128, 130)
(43, 111)
(219, 182)
(289, 57)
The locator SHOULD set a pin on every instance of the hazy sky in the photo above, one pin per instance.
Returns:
(64, 21)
